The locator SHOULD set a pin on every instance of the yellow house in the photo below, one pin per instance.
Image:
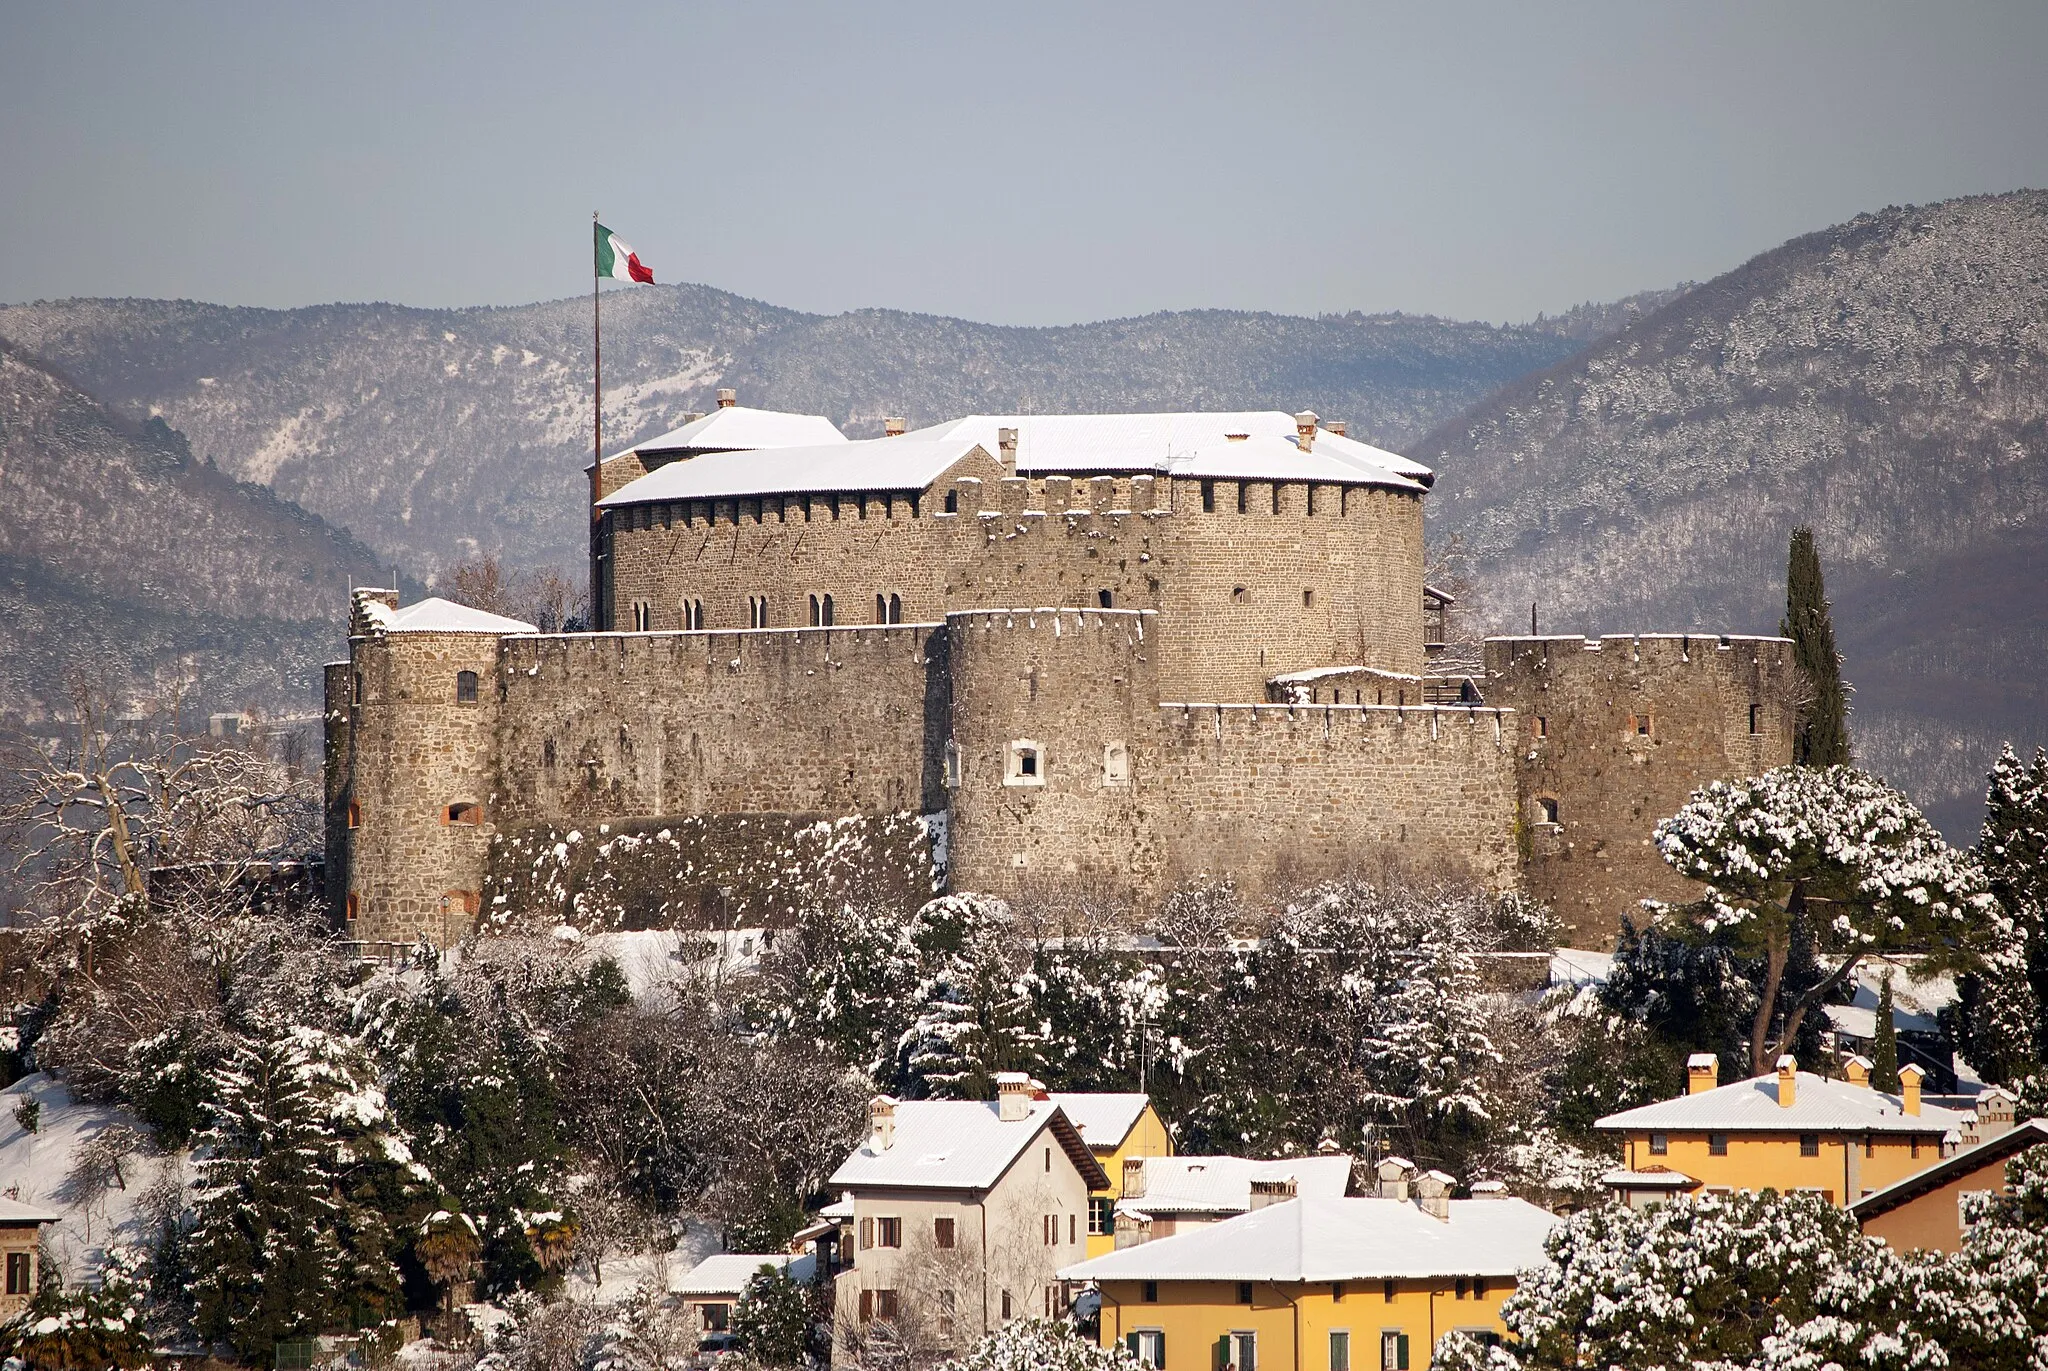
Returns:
(20, 1227)
(1924, 1212)
(1357, 1284)
(1117, 1128)
(1791, 1131)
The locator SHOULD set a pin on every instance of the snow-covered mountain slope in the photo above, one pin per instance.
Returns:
(124, 560)
(435, 434)
(1885, 380)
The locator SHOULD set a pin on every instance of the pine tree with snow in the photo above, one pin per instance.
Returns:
(1767, 847)
(2002, 1015)
(290, 1234)
(1823, 738)
(1884, 1067)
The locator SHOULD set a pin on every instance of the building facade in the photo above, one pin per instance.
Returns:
(1129, 651)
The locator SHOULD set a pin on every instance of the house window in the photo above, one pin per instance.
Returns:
(1006, 1305)
(1151, 1292)
(1546, 809)
(1244, 1292)
(1809, 1144)
(1717, 1144)
(1025, 764)
(1240, 497)
(465, 687)
(717, 1317)
(1105, 600)
(952, 502)
(1387, 1289)
(1639, 724)
(1340, 1350)
(826, 621)
(20, 1273)
(1101, 1216)
(885, 1304)
(1048, 1161)
(465, 812)
(817, 618)
(352, 907)
(1660, 1144)
(1072, 1219)
(1239, 596)
(1393, 1351)
(942, 1233)
(952, 765)
(757, 611)
(643, 616)
(881, 609)
(1147, 1347)
(1463, 1288)
(1049, 1229)
(1308, 599)
(1208, 497)
(888, 1232)
(895, 609)
(1238, 1351)
(356, 695)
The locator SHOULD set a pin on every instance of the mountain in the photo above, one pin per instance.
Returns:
(1885, 380)
(437, 434)
(126, 562)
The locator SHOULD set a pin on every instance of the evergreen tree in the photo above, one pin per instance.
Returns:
(1884, 1071)
(2005, 1011)
(1824, 728)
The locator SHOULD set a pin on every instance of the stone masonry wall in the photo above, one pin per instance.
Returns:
(1617, 733)
(1276, 796)
(1303, 577)
(417, 751)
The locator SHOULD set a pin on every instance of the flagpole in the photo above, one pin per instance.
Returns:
(596, 434)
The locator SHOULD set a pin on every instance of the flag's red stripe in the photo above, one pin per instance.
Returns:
(644, 275)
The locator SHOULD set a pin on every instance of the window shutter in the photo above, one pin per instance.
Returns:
(1248, 1345)
(1159, 1349)
(867, 1239)
(1131, 1345)
(1402, 1354)
(867, 1305)
(1222, 1352)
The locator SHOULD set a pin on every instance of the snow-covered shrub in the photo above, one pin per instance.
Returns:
(1040, 1345)
(85, 1327)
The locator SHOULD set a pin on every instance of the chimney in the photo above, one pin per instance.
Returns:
(1433, 1195)
(881, 1123)
(1013, 1096)
(1856, 1071)
(1393, 1177)
(727, 397)
(1489, 1190)
(1273, 1192)
(1702, 1072)
(1909, 1089)
(1134, 1178)
(1343, 430)
(1305, 429)
(1006, 448)
(895, 427)
(691, 416)
(1038, 1090)
(1788, 1080)
(1996, 1110)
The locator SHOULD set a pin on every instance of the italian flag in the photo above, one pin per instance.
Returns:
(617, 262)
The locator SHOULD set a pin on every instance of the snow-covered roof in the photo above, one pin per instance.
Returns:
(2032, 1133)
(1050, 444)
(436, 615)
(1819, 1105)
(727, 1273)
(1339, 1240)
(1223, 1185)
(1105, 1120)
(960, 1145)
(1651, 1178)
(734, 427)
(1265, 457)
(13, 1213)
(871, 464)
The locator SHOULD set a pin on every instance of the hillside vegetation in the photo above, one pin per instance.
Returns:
(438, 434)
(1885, 380)
(127, 562)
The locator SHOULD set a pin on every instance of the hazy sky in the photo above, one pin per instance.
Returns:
(1022, 163)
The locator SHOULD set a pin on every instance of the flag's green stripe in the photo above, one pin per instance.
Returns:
(606, 258)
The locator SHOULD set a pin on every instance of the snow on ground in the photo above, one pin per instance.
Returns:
(697, 1241)
(1577, 966)
(35, 1168)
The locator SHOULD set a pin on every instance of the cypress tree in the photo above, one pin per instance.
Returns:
(1824, 728)
(1884, 1072)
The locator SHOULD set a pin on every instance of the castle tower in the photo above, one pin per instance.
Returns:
(420, 722)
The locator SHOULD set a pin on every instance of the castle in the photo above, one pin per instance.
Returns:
(1127, 650)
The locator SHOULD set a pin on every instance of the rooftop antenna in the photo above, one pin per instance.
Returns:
(1532, 618)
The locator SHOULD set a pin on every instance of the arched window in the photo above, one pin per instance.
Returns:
(816, 614)
(465, 687)
(1756, 718)
(547, 754)
(881, 608)
(895, 609)
(757, 611)
(828, 612)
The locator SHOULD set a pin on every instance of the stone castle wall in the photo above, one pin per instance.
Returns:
(1617, 733)
(1304, 576)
